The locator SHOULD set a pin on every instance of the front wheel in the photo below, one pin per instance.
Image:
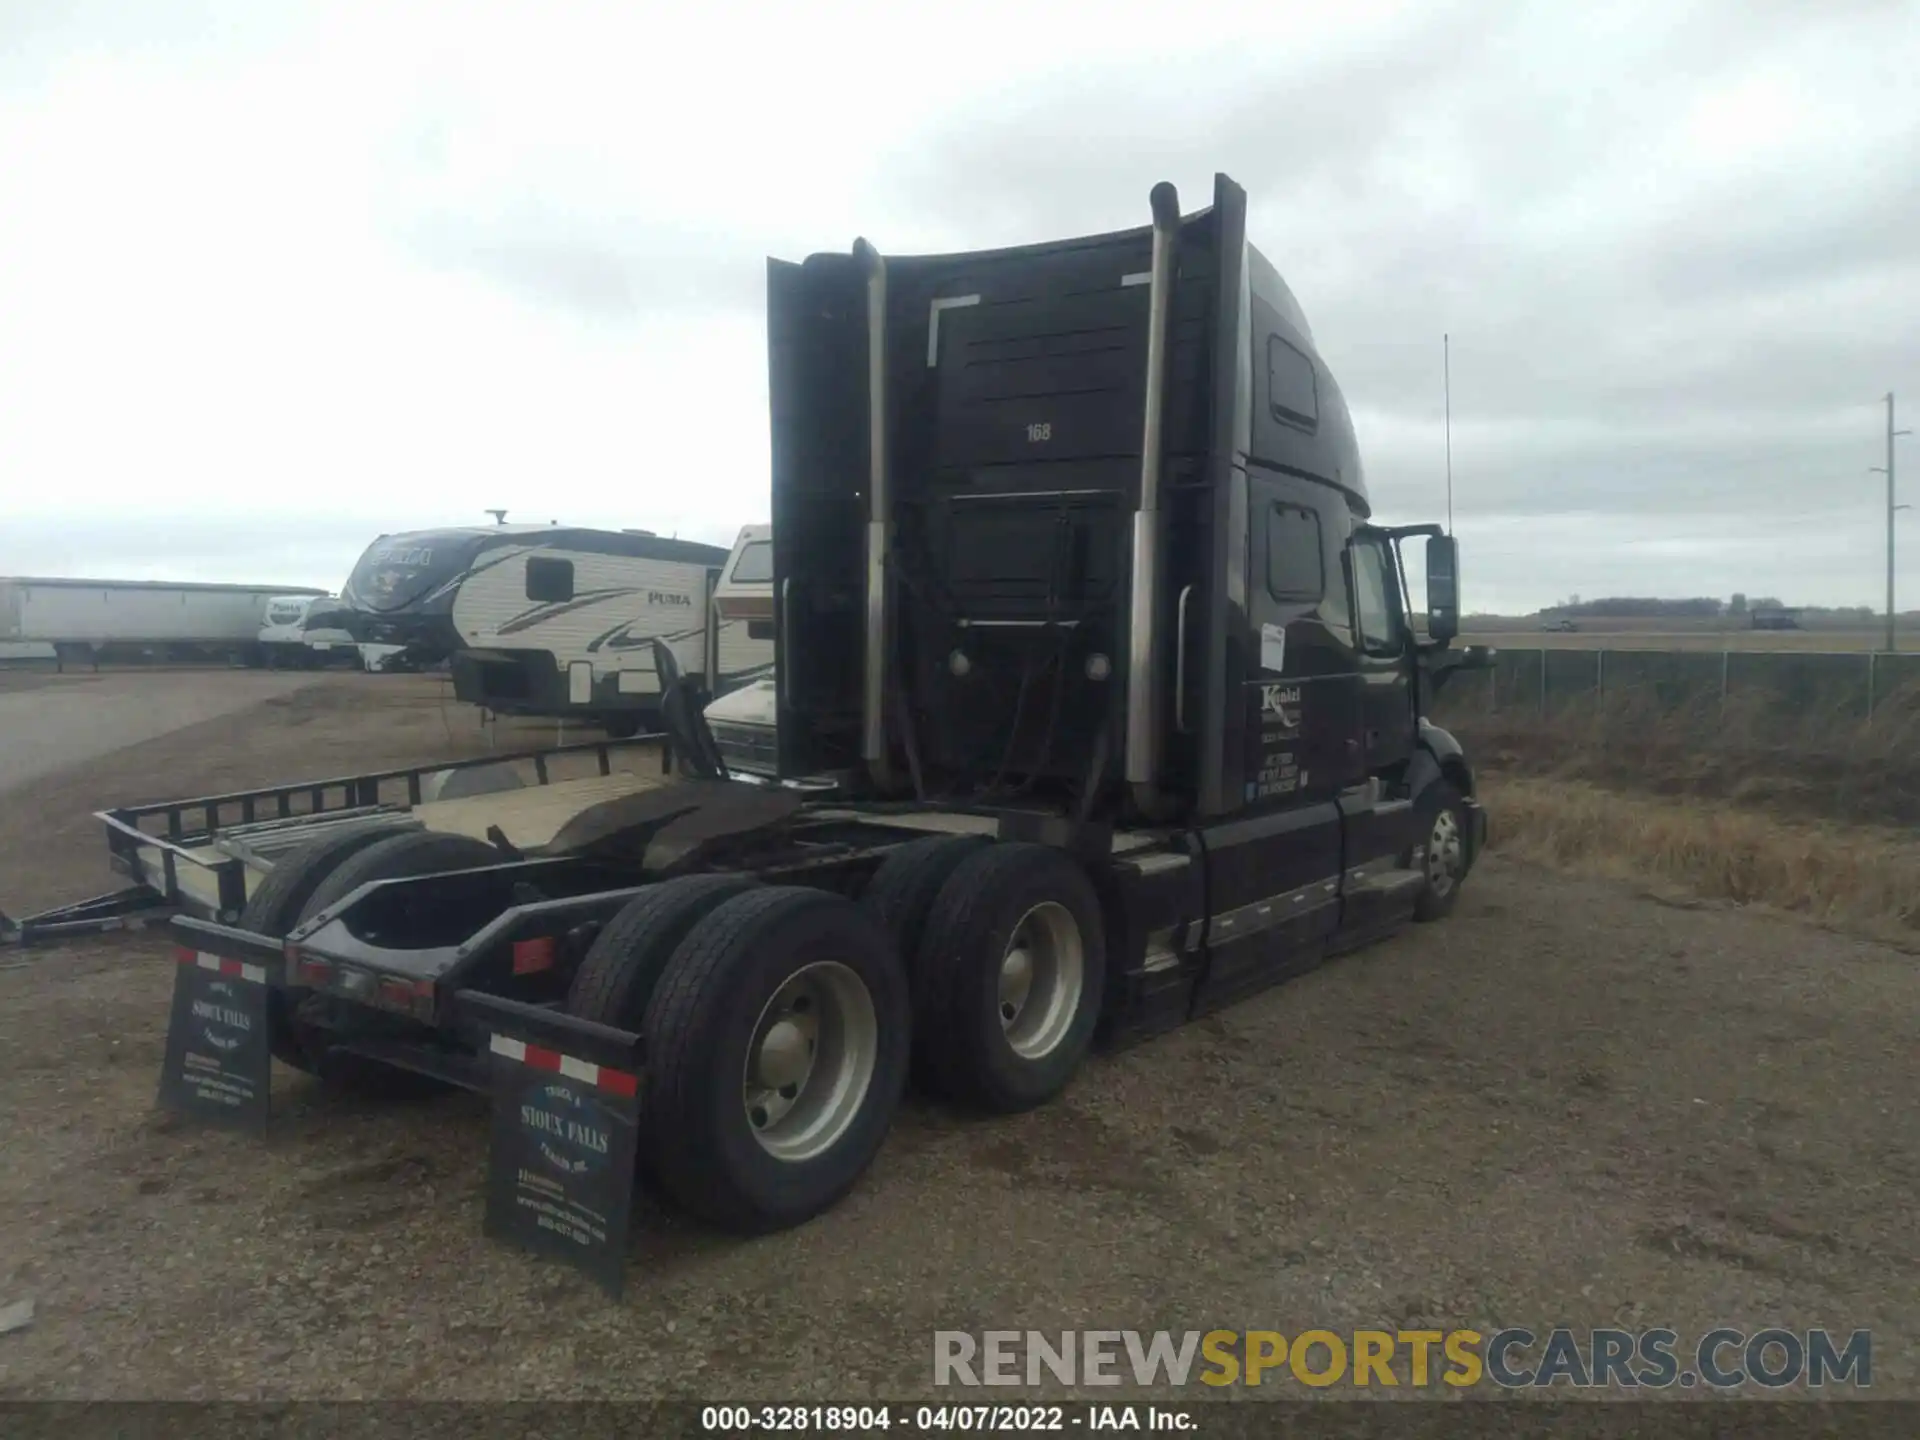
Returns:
(1443, 853)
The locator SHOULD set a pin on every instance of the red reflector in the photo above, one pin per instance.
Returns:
(619, 1082)
(186, 956)
(315, 973)
(532, 956)
(423, 988)
(397, 992)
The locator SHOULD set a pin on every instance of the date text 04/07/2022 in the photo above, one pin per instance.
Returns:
(986, 1419)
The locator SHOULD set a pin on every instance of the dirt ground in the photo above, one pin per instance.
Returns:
(51, 722)
(259, 728)
(1568, 1104)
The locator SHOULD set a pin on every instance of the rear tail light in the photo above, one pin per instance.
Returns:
(310, 973)
(410, 997)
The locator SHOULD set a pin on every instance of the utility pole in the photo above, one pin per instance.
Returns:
(1446, 373)
(1887, 470)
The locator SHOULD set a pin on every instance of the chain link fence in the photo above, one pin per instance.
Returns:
(1795, 686)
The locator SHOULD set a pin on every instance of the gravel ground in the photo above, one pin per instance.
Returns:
(51, 722)
(1569, 1104)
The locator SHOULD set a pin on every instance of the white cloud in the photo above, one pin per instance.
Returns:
(281, 276)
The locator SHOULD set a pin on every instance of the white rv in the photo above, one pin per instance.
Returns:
(551, 619)
(742, 716)
(290, 639)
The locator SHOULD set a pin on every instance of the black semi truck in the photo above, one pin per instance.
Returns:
(1117, 690)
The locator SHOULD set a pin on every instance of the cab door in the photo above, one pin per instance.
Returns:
(1384, 645)
(1273, 868)
(1377, 817)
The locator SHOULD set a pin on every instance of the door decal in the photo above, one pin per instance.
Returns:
(1279, 771)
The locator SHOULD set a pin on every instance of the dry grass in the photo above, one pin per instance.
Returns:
(1808, 762)
(1856, 878)
(1805, 810)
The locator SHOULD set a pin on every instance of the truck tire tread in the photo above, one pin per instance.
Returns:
(616, 979)
(696, 1000)
(275, 905)
(960, 1051)
(902, 891)
(274, 908)
(392, 857)
(400, 857)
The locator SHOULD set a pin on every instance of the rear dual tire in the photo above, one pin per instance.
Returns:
(1007, 965)
(776, 1046)
(1009, 976)
(309, 880)
(274, 909)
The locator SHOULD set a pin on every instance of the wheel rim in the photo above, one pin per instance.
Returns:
(1042, 973)
(1444, 853)
(811, 1061)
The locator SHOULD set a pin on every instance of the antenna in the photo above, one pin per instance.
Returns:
(1446, 374)
(499, 516)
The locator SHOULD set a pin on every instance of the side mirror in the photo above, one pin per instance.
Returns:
(1443, 587)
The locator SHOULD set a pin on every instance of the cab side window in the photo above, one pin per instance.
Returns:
(1293, 394)
(1294, 570)
(1376, 610)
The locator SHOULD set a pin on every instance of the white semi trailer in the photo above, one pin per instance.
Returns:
(89, 619)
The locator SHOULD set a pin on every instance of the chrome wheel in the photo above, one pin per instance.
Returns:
(811, 1062)
(1446, 854)
(1042, 975)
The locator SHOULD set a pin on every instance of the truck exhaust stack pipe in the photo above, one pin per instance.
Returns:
(1143, 668)
(873, 741)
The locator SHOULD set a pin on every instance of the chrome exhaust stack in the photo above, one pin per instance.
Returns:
(873, 739)
(1143, 650)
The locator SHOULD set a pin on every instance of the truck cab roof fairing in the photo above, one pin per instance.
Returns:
(1334, 450)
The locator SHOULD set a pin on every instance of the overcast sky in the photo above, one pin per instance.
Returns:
(274, 278)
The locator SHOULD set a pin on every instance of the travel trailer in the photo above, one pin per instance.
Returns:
(558, 620)
(743, 605)
(594, 660)
(289, 639)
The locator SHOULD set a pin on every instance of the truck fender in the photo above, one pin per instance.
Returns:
(1438, 756)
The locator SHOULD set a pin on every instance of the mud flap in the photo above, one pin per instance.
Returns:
(219, 1065)
(566, 1110)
